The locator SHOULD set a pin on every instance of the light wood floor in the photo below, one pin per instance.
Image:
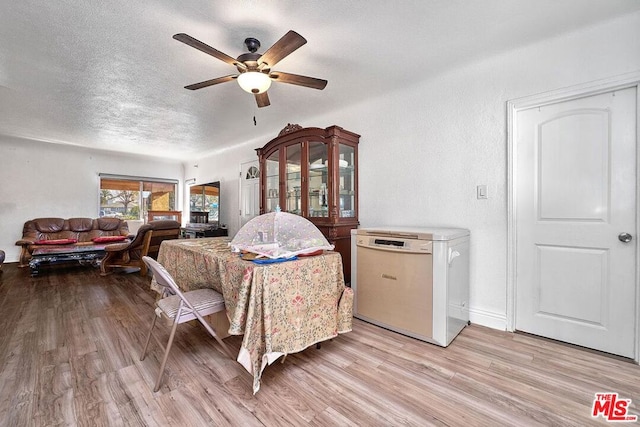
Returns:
(70, 343)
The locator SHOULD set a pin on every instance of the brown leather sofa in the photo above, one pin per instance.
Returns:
(83, 230)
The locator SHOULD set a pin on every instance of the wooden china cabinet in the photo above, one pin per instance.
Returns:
(313, 172)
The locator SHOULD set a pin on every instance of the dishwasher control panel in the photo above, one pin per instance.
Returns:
(391, 243)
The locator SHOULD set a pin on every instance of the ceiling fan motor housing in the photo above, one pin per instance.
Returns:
(252, 44)
(250, 60)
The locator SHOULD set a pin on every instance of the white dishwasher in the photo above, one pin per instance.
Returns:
(414, 281)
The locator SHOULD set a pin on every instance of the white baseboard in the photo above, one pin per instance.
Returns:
(488, 319)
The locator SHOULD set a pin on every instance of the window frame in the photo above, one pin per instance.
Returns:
(142, 183)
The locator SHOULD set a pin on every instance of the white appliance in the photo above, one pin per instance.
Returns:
(414, 281)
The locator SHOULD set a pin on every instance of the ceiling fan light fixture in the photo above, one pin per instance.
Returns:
(254, 82)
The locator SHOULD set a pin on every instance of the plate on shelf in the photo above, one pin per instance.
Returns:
(342, 163)
(314, 166)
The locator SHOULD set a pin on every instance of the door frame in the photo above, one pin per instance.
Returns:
(241, 190)
(623, 81)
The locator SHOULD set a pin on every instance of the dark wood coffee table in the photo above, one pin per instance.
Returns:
(84, 254)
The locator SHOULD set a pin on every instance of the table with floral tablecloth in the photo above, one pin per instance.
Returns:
(280, 308)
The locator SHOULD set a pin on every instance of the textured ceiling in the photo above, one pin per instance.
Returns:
(108, 75)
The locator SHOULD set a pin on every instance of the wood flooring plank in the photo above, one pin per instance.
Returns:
(304, 402)
(20, 381)
(52, 333)
(263, 408)
(54, 404)
(346, 404)
(595, 376)
(376, 397)
(443, 402)
(180, 409)
(79, 335)
(89, 401)
(527, 406)
(491, 350)
(219, 404)
(331, 417)
(113, 386)
(142, 404)
(114, 343)
(107, 410)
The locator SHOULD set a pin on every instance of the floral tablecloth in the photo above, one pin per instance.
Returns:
(280, 308)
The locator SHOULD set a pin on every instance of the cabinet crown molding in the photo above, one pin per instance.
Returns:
(289, 128)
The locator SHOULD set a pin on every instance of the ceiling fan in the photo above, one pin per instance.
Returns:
(255, 74)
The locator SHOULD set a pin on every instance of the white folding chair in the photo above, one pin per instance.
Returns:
(179, 308)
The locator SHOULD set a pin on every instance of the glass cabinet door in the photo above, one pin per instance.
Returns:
(347, 189)
(318, 179)
(272, 182)
(292, 179)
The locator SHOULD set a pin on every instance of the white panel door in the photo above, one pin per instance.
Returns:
(575, 199)
(249, 191)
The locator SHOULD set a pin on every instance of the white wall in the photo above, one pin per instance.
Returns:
(50, 180)
(423, 151)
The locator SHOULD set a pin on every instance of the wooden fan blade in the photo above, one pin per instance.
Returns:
(262, 99)
(283, 47)
(188, 40)
(295, 79)
(211, 82)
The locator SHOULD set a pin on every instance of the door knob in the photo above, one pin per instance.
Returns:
(625, 237)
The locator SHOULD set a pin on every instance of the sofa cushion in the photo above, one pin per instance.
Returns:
(80, 224)
(109, 224)
(49, 225)
(56, 242)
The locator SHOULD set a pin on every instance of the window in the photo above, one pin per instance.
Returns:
(253, 173)
(132, 198)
